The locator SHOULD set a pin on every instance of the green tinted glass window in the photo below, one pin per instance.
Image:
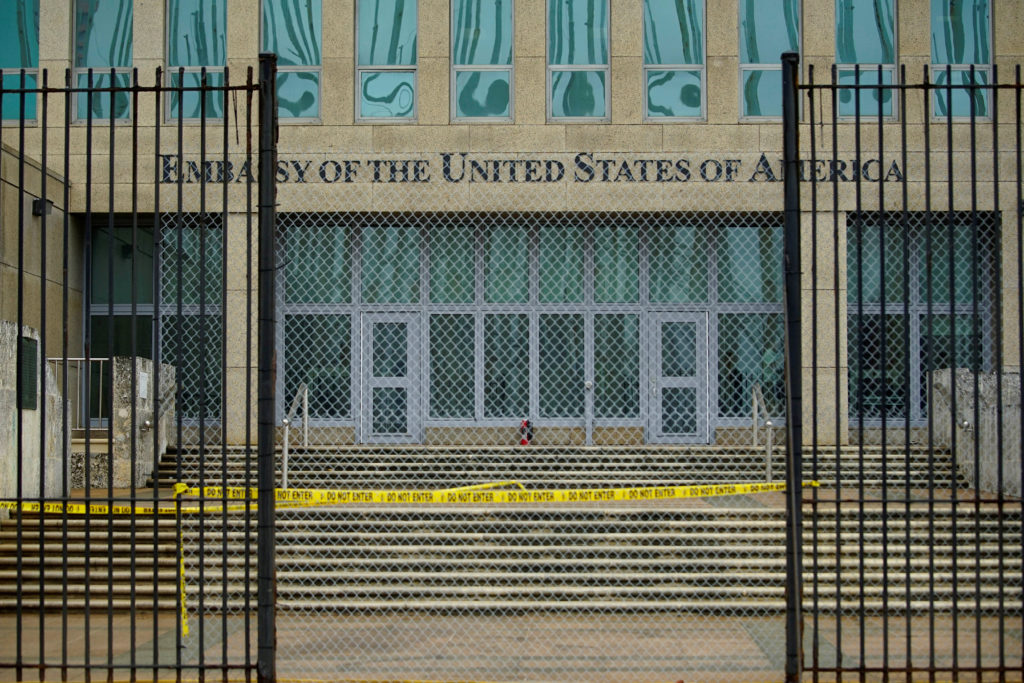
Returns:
(452, 265)
(196, 32)
(678, 264)
(560, 257)
(293, 29)
(673, 32)
(103, 33)
(561, 365)
(12, 102)
(387, 94)
(19, 49)
(506, 265)
(616, 365)
(960, 102)
(483, 94)
(318, 264)
(103, 41)
(577, 32)
(391, 265)
(616, 264)
(387, 32)
(451, 366)
(506, 353)
(578, 37)
(386, 56)
(482, 32)
(865, 32)
(767, 29)
(961, 32)
(482, 41)
(325, 367)
(114, 258)
(19, 26)
(673, 37)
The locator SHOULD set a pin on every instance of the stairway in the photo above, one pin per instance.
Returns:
(721, 556)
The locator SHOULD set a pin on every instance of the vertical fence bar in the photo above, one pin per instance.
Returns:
(65, 334)
(109, 402)
(834, 181)
(926, 94)
(87, 308)
(134, 343)
(157, 352)
(19, 429)
(224, 371)
(43, 227)
(248, 373)
(793, 337)
(267, 582)
(815, 569)
(951, 274)
(907, 396)
(1000, 336)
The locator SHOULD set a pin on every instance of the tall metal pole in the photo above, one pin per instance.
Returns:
(794, 366)
(266, 596)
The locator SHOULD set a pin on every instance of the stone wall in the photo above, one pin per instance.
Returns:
(980, 435)
(42, 464)
(130, 435)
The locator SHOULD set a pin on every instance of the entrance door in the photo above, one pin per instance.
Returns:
(390, 387)
(678, 378)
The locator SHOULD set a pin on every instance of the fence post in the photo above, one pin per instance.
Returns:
(266, 664)
(794, 435)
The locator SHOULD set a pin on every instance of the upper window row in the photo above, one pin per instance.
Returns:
(482, 43)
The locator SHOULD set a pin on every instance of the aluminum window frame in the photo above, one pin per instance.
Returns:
(870, 67)
(605, 69)
(78, 72)
(938, 69)
(360, 69)
(456, 69)
(172, 70)
(746, 67)
(283, 69)
(702, 68)
(30, 72)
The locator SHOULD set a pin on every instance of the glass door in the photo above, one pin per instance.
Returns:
(391, 378)
(678, 378)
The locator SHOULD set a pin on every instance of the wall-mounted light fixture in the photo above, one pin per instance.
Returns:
(41, 206)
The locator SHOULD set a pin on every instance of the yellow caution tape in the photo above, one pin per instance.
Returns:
(485, 493)
(490, 493)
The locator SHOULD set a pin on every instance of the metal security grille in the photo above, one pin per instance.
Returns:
(910, 370)
(552, 318)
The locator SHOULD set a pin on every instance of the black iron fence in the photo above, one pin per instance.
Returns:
(115, 288)
(904, 318)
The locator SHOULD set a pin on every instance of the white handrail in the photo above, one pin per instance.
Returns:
(301, 393)
(759, 408)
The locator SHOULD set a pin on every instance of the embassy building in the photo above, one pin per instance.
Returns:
(562, 211)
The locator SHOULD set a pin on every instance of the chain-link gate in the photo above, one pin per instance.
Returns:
(909, 203)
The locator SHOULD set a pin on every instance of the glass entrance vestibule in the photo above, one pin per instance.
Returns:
(598, 328)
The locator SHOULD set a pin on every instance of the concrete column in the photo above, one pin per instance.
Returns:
(824, 389)
(238, 311)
